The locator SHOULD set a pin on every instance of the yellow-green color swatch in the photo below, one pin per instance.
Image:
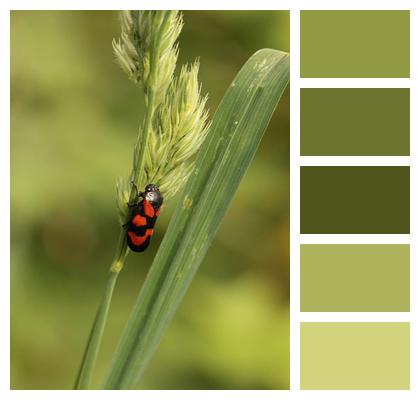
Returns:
(355, 44)
(355, 355)
(354, 277)
(355, 122)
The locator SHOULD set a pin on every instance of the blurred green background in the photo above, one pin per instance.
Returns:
(74, 119)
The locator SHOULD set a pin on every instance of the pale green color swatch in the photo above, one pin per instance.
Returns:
(355, 277)
(355, 355)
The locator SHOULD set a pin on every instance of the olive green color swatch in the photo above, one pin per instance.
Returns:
(355, 355)
(355, 122)
(355, 277)
(355, 44)
(355, 200)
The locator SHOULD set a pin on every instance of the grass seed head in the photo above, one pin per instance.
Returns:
(147, 52)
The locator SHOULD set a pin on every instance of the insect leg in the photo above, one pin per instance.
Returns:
(138, 194)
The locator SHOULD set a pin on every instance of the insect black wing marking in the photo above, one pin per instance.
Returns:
(143, 219)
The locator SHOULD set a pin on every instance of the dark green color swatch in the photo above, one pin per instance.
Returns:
(355, 200)
(355, 44)
(355, 122)
(355, 277)
(355, 355)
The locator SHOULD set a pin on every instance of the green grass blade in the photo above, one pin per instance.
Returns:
(236, 131)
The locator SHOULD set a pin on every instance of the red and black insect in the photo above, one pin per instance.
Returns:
(143, 218)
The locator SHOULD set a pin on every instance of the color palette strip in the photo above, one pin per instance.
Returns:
(355, 44)
(355, 122)
(355, 355)
(355, 200)
(355, 277)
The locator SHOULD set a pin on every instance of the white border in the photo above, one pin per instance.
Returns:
(354, 317)
(293, 5)
(296, 82)
(354, 239)
(5, 204)
(355, 83)
(294, 200)
(354, 160)
(414, 200)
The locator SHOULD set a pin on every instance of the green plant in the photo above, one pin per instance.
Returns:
(173, 130)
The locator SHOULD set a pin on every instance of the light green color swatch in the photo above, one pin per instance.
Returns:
(355, 44)
(355, 355)
(354, 277)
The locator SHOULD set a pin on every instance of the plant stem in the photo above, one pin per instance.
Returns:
(98, 327)
(95, 337)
